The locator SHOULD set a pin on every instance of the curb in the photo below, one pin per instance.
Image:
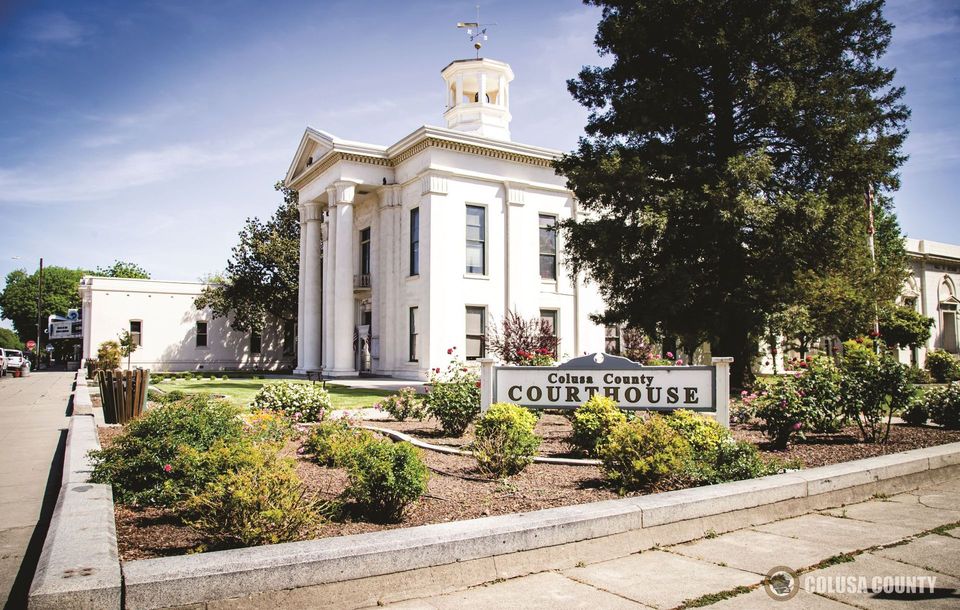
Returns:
(79, 565)
(400, 436)
(392, 565)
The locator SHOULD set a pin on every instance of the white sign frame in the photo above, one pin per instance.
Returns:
(571, 383)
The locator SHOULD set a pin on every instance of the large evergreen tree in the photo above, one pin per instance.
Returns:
(728, 147)
(263, 273)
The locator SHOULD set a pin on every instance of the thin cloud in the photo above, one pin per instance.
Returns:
(56, 28)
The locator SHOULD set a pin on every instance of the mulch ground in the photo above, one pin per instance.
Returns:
(457, 491)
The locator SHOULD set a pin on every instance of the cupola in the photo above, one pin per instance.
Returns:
(478, 97)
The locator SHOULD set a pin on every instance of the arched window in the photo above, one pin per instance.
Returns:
(949, 305)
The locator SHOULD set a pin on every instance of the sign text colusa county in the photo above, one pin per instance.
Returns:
(631, 385)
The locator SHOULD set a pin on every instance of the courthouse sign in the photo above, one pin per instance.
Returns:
(631, 385)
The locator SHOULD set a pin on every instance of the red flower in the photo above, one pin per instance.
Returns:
(436, 370)
(167, 467)
(478, 384)
(464, 369)
(449, 351)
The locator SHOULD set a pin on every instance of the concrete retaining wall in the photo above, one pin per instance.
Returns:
(79, 566)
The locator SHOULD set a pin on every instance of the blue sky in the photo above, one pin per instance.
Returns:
(148, 131)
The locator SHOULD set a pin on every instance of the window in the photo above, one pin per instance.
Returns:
(289, 337)
(365, 252)
(413, 334)
(550, 317)
(136, 332)
(201, 334)
(612, 334)
(476, 239)
(415, 241)
(948, 336)
(548, 247)
(476, 327)
(255, 342)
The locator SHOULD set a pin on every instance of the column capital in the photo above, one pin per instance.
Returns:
(310, 210)
(342, 192)
(432, 183)
(514, 193)
(389, 196)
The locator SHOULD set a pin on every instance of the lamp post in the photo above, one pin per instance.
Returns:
(39, 310)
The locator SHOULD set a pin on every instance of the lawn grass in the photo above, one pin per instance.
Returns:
(241, 391)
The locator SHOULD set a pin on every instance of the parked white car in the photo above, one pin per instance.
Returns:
(3, 362)
(14, 358)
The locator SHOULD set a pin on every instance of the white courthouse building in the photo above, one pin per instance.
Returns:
(410, 249)
(931, 289)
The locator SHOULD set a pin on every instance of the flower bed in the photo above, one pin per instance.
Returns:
(456, 490)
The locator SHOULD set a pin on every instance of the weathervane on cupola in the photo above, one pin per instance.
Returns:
(476, 31)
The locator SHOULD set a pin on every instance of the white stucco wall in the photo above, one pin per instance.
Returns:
(169, 326)
(933, 287)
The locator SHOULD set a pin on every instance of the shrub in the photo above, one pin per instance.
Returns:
(919, 376)
(108, 356)
(874, 388)
(385, 478)
(175, 395)
(225, 378)
(917, 413)
(261, 502)
(641, 454)
(943, 366)
(302, 402)
(704, 434)
(403, 405)
(819, 389)
(333, 442)
(269, 425)
(454, 397)
(522, 341)
(504, 442)
(592, 422)
(944, 405)
(783, 413)
(733, 461)
(140, 462)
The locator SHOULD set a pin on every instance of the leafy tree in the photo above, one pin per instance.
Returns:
(727, 151)
(18, 301)
(263, 273)
(517, 340)
(127, 345)
(123, 269)
(9, 339)
(904, 326)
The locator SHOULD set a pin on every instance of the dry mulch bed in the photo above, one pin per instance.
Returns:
(457, 491)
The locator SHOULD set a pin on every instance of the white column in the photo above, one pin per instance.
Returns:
(389, 268)
(459, 90)
(312, 213)
(501, 90)
(344, 314)
(302, 280)
(482, 96)
(329, 264)
(721, 397)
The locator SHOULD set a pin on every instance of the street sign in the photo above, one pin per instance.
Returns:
(31, 344)
(49, 348)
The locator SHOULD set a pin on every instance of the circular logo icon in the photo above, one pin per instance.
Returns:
(781, 583)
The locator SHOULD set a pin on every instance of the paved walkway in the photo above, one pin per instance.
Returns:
(32, 421)
(835, 553)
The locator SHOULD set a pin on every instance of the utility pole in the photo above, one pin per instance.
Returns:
(873, 258)
(39, 310)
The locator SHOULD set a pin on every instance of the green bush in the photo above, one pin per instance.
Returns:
(108, 356)
(504, 441)
(874, 389)
(592, 422)
(454, 398)
(704, 434)
(819, 388)
(919, 376)
(262, 501)
(302, 402)
(385, 478)
(175, 395)
(403, 405)
(142, 463)
(641, 454)
(944, 405)
(733, 461)
(333, 442)
(917, 413)
(225, 378)
(271, 426)
(783, 414)
(943, 366)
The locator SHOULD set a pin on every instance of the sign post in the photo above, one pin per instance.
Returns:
(705, 389)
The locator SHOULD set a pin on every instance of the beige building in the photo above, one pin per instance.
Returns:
(931, 289)
(172, 334)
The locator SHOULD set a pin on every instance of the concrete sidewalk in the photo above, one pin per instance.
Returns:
(33, 418)
(910, 535)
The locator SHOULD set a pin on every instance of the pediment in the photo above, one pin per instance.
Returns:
(314, 145)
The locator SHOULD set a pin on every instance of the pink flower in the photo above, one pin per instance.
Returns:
(464, 369)
(167, 467)
(436, 370)
(744, 393)
(449, 351)
(797, 426)
(679, 363)
(669, 354)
